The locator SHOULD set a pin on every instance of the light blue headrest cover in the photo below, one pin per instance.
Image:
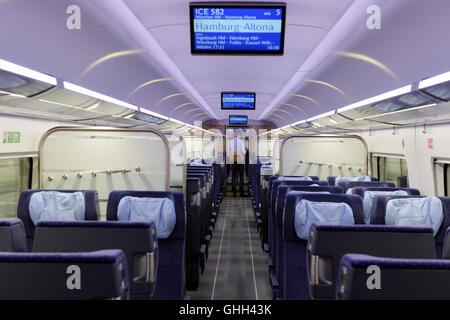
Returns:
(351, 179)
(198, 164)
(294, 179)
(54, 205)
(159, 210)
(415, 212)
(266, 166)
(369, 198)
(309, 212)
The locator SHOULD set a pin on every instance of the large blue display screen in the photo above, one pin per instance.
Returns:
(238, 120)
(238, 101)
(237, 30)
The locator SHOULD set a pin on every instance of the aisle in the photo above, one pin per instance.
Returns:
(236, 268)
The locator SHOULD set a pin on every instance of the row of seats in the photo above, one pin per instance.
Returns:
(320, 240)
(145, 238)
(204, 189)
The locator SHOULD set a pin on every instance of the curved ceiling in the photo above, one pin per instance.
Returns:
(135, 42)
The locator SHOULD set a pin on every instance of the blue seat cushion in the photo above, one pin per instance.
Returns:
(347, 179)
(312, 212)
(427, 211)
(159, 210)
(54, 205)
(369, 198)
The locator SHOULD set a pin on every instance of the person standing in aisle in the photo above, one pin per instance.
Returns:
(236, 157)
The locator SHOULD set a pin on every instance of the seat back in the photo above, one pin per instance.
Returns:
(276, 218)
(23, 213)
(332, 180)
(360, 191)
(368, 195)
(193, 217)
(12, 235)
(292, 276)
(170, 279)
(367, 278)
(136, 239)
(64, 276)
(328, 243)
(346, 185)
(379, 213)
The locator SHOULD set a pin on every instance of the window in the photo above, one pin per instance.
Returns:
(447, 179)
(15, 177)
(391, 169)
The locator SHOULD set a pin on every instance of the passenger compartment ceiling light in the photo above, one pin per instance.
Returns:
(14, 68)
(444, 77)
(75, 88)
(323, 115)
(381, 97)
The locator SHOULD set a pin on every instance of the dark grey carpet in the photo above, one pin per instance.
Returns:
(236, 268)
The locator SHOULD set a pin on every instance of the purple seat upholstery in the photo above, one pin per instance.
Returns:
(170, 279)
(23, 212)
(292, 276)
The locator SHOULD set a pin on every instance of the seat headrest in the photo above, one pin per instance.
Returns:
(179, 231)
(351, 179)
(345, 185)
(293, 198)
(310, 212)
(368, 200)
(54, 205)
(161, 211)
(427, 211)
(284, 178)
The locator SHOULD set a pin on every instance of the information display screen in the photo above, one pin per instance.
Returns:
(237, 29)
(238, 120)
(238, 100)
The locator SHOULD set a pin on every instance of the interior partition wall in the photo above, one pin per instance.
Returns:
(323, 156)
(104, 159)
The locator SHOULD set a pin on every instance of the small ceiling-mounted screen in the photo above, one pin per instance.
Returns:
(238, 120)
(235, 28)
(238, 100)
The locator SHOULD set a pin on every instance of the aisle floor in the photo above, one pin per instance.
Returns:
(236, 268)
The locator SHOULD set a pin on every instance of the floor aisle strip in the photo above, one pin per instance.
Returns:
(220, 250)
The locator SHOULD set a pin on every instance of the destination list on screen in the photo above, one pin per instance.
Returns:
(238, 101)
(237, 29)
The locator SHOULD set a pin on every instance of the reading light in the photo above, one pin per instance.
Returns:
(381, 97)
(14, 68)
(434, 80)
(78, 89)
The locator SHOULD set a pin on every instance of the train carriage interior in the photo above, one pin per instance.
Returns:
(227, 150)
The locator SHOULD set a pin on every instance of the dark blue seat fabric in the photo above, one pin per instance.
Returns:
(345, 185)
(379, 213)
(12, 235)
(137, 240)
(23, 213)
(292, 275)
(276, 217)
(194, 259)
(274, 183)
(41, 276)
(170, 280)
(332, 180)
(328, 243)
(399, 278)
(211, 215)
(361, 190)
